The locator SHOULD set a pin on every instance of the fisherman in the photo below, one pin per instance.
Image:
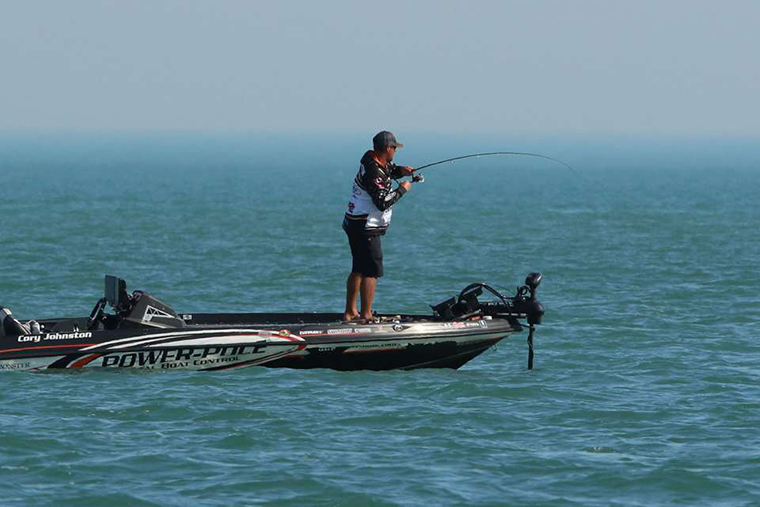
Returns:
(367, 219)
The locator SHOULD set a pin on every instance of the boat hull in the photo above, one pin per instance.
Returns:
(345, 347)
(448, 349)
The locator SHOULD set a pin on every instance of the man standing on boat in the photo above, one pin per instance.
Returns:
(367, 219)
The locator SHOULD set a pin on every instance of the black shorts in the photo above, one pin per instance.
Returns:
(367, 254)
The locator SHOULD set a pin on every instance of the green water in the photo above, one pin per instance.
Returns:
(647, 382)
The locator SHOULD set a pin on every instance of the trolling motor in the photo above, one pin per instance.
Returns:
(523, 305)
(525, 301)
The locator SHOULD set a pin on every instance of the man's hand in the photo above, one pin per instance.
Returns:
(405, 170)
(407, 185)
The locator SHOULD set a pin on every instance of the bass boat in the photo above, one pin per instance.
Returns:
(142, 332)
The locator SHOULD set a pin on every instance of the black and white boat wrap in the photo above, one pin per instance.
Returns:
(145, 333)
(190, 350)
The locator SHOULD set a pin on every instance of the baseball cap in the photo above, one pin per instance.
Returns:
(384, 139)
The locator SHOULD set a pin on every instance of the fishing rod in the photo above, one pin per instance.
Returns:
(495, 153)
(419, 178)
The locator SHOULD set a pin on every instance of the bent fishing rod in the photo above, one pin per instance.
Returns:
(494, 153)
(419, 178)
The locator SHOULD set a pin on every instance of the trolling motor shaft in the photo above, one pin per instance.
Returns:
(531, 329)
(526, 302)
(535, 313)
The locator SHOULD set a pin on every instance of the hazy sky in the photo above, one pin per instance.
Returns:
(539, 67)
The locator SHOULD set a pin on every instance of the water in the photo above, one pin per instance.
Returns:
(646, 387)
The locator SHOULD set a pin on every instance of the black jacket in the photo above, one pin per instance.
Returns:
(372, 196)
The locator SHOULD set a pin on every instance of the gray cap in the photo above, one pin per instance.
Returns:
(384, 139)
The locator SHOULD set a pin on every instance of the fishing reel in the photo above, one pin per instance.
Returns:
(418, 178)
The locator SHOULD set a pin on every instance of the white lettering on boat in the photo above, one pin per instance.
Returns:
(36, 338)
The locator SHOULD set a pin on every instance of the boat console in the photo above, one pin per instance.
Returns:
(135, 310)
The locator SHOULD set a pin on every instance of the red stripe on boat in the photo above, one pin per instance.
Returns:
(85, 360)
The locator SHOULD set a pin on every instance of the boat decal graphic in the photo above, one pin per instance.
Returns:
(171, 334)
(336, 332)
(220, 337)
(4, 351)
(203, 358)
(152, 312)
(15, 365)
(85, 360)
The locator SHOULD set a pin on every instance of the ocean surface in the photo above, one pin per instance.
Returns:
(646, 389)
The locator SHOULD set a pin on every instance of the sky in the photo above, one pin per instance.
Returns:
(655, 68)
